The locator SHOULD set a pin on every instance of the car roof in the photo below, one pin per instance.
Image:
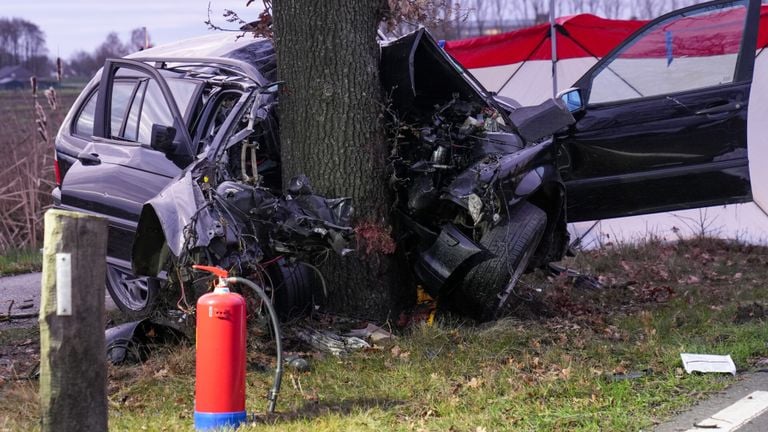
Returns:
(257, 52)
(219, 44)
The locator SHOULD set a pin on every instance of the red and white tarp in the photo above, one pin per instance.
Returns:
(518, 64)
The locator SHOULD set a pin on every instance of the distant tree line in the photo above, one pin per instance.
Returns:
(477, 17)
(23, 43)
(85, 64)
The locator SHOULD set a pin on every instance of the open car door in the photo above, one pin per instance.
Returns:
(758, 113)
(662, 120)
(138, 144)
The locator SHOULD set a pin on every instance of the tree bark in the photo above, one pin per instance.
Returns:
(331, 130)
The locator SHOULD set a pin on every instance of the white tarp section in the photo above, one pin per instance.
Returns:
(743, 222)
(537, 76)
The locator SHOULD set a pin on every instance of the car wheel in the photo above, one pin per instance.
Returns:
(135, 296)
(293, 289)
(490, 286)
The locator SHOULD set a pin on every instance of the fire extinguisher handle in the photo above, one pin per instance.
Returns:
(218, 271)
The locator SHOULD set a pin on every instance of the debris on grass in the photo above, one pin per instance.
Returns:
(749, 312)
(708, 363)
(132, 342)
(330, 342)
(629, 375)
(423, 311)
(372, 333)
(297, 363)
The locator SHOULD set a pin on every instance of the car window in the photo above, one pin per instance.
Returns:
(183, 91)
(84, 122)
(154, 110)
(131, 128)
(684, 52)
(122, 92)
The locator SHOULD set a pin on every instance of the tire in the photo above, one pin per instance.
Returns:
(488, 287)
(293, 289)
(135, 296)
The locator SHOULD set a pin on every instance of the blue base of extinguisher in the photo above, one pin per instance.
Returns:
(206, 421)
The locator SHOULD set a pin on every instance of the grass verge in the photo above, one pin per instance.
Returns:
(602, 359)
(24, 260)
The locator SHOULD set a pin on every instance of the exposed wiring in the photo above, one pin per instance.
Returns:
(319, 274)
(187, 309)
(271, 261)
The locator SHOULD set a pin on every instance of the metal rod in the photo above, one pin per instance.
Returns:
(553, 37)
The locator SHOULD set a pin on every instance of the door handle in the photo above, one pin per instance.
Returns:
(88, 158)
(720, 109)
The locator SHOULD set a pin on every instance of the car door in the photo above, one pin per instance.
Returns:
(662, 120)
(122, 166)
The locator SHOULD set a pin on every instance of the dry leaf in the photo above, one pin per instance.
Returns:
(395, 351)
(474, 383)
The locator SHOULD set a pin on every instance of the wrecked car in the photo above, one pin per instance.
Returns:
(478, 197)
(178, 147)
(181, 155)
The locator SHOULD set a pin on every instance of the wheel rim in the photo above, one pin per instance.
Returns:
(129, 290)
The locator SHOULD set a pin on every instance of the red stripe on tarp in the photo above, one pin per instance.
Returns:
(597, 35)
(587, 35)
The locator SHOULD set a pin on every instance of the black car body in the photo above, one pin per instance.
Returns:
(662, 119)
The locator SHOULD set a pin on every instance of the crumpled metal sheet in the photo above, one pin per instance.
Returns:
(188, 220)
(330, 342)
(131, 342)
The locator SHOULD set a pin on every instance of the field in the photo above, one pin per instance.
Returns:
(27, 176)
(575, 357)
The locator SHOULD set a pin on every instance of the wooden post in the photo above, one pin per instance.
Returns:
(73, 368)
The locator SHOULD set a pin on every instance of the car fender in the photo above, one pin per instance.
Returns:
(163, 222)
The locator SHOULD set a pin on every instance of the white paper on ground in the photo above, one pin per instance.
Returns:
(708, 363)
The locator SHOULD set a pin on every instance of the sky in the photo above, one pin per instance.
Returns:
(74, 25)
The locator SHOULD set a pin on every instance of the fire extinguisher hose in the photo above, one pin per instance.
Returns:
(272, 396)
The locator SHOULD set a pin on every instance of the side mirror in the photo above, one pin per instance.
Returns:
(572, 99)
(271, 88)
(162, 137)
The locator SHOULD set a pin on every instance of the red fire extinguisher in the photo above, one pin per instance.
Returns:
(220, 366)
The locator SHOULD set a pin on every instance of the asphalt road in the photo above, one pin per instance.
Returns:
(708, 410)
(22, 294)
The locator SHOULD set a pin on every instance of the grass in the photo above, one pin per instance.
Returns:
(556, 373)
(23, 260)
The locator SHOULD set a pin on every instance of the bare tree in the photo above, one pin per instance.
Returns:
(612, 8)
(83, 64)
(139, 39)
(22, 43)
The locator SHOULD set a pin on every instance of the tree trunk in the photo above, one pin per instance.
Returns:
(331, 130)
